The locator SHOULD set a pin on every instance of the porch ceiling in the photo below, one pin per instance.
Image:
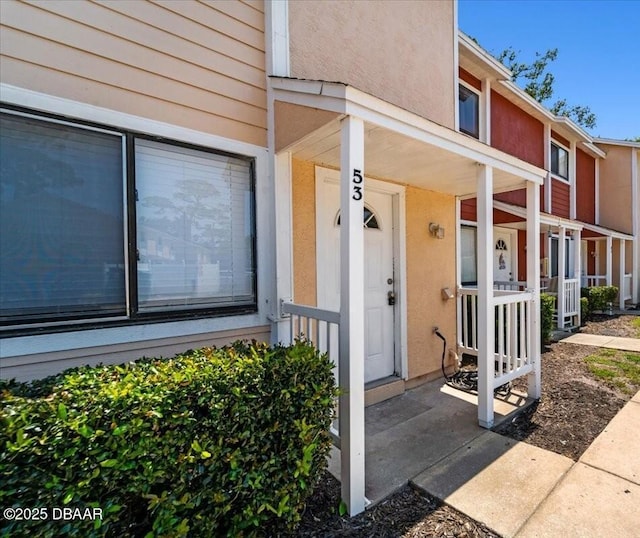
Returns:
(399, 145)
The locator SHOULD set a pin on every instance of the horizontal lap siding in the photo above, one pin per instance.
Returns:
(585, 187)
(197, 65)
(515, 132)
(469, 79)
(560, 199)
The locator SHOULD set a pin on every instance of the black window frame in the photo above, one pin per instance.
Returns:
(462, 88)
(555, 170)
(132, 316)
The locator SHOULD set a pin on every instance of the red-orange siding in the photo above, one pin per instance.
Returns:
(469, 79)
(560, 198)
(468, 210)
(585, 187)
(516, 132)
(518, 197)
(559, 138)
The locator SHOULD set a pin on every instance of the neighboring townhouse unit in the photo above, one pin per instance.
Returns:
(619, 209)
(136, 203)
(494, 110)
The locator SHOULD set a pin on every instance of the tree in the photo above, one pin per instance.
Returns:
(539, 85)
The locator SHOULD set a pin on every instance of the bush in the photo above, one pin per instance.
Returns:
(547, 308)
(599, 297)
(584, 309)
(214, 442)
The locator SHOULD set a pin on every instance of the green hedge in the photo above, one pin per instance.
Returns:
(598, 297)
(547, 308)
(214, 442)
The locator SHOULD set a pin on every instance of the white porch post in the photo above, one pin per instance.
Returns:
(622, 271)
(577, 267)
(284, 240)
(533, 283)
(351, 369)
(486, 310)
(562, 265)
(609, 258)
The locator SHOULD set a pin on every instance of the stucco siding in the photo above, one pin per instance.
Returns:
(400, 51)
(197, 65)
(615, 189)
(431, 266)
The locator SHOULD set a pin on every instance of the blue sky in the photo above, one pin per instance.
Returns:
(598, 43)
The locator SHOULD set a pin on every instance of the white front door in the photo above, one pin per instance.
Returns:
(503, 256)
(379, 277)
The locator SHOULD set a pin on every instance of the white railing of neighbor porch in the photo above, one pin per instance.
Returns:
(627, 293)
(512, 336)
(571, 297)
(590, 281)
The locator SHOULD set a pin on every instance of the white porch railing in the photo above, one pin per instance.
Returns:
(512, 336)
(627, 293)
(321, 328)
(571, 297)
(590, 281)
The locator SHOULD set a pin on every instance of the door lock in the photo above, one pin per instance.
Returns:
(391, 298)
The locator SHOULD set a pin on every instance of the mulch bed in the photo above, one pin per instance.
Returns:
(574, 409)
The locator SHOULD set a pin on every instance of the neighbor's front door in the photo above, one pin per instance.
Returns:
(379, 277)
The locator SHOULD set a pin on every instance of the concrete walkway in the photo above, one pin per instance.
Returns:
(522, 491)
(613, 342)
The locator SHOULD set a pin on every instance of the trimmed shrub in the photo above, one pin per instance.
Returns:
(214, 442)
(600, 296)
(584, 309)
(547, 307)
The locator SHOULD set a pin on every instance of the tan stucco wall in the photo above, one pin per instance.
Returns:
(196, 65)
(431, 266)
(303, 194)
(401, 51)
(615, 189)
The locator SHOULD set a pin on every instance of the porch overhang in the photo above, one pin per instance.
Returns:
(399, 145)
(606, 232)
(546, 219)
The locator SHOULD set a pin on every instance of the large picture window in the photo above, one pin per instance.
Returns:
(94, 227)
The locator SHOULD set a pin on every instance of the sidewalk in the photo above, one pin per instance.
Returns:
(522, 491)
(613, 342)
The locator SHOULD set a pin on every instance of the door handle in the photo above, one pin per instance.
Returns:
(391, 298)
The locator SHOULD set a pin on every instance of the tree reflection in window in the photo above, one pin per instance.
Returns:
(369, 219)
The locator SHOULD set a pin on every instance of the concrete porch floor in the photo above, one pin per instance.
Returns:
(410, 433)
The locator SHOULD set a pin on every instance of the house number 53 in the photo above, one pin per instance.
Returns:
(357, 184)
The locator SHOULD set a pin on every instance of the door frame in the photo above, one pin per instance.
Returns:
(398, 210)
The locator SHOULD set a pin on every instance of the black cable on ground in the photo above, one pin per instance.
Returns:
(466, 380)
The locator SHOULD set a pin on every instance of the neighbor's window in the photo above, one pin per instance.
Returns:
(559, 161)
(468, 253)
(67, 252)
(469, 111)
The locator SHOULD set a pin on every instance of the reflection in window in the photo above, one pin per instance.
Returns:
(61, 220)
(194, 224)
(469, 111)
(559, 161)
(369, 219)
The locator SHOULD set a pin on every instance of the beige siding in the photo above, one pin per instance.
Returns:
(401, 51)
(28, 367)
(615, 189)
(197, 65)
